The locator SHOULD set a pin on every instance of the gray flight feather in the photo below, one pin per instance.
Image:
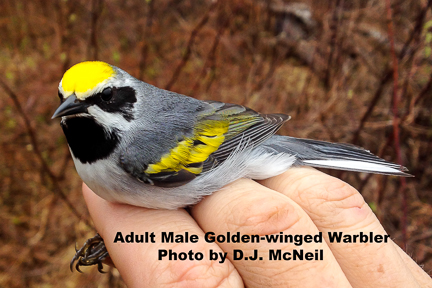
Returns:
(333, 155)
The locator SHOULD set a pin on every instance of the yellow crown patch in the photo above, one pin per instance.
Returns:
(85, 77)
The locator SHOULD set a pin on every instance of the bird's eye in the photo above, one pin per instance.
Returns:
(107, 94)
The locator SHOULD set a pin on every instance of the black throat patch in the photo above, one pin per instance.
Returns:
(88, 140)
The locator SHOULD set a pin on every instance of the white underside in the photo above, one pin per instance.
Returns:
(112, 183)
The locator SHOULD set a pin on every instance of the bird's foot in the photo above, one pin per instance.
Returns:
(93, 252)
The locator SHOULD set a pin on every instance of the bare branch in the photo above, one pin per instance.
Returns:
(44, 165)
(93, 46)
(186, 55)
(396, 122)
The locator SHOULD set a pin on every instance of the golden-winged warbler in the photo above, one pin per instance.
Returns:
(134, 143)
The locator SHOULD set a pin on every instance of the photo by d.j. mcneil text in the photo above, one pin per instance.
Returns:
(300, 254)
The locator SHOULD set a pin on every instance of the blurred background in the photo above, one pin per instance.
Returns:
(337, 67)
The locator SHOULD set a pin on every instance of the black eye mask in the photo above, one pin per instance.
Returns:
(115, 100)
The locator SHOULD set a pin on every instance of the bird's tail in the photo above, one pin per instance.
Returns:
(332, 155)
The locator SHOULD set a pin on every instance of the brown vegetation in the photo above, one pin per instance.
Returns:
(334, 74)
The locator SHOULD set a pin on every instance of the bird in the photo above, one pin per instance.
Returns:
(137, 144)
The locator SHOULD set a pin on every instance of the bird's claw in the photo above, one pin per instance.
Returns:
(93, 252)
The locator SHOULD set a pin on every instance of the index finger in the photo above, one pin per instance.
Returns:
(338, 209)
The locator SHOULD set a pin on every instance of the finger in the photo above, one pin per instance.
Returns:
(419, 274)
(138, 263)
(334, 206)
(251, 209)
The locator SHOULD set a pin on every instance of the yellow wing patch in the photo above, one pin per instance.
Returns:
(209, 135)
(85, 77)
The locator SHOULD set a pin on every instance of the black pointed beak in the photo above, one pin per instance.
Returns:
(70, 107)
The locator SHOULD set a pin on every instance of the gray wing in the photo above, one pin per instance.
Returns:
(245, 126)
(266, 127)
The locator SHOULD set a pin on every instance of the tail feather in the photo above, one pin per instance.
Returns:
(333, 155)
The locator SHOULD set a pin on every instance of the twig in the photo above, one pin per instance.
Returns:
(38, 153)
(404, 89)
(388, 73)
(210, 62)
(146, 31)
(395, 109)
(372, 105)
(276, 56)
(193, 34)
(65, 27)
(62, 170)
(416, 30)
(421, 237)
(95, 15)
(334, 27)
(425, 91)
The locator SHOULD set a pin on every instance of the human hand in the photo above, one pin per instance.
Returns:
(301, 201)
